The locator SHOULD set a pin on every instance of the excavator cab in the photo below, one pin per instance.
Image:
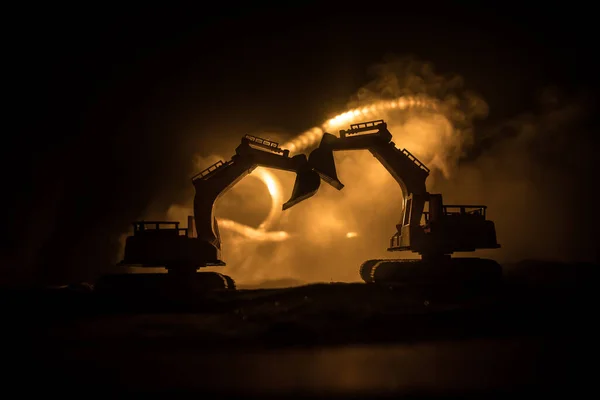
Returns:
(443, 229)
(165, 244)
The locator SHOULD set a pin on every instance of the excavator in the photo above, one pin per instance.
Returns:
(184, 251)
(428, 227)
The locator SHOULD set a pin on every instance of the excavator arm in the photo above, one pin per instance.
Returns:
(213, 182)
(374, 136)
(437, 232)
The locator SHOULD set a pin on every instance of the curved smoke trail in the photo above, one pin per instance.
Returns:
(261, 233)
(312, 136)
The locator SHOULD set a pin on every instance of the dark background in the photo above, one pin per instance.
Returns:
(111, 103)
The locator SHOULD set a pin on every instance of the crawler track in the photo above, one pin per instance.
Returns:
(476, 271)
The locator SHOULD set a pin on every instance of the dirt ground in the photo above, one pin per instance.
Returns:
(533, 334)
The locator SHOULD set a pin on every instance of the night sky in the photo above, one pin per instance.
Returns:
(112, 103)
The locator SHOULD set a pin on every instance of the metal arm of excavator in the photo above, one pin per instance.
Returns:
(374, 136)
(253, 152)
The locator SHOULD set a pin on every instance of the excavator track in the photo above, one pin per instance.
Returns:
(152, 283)
(366, 269)
(469, 271)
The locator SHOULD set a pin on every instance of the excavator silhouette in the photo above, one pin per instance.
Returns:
(183, 251)
(428, 226)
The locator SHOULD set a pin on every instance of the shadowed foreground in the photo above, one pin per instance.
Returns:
(531, 334)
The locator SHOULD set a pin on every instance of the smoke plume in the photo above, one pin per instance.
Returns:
(536, 173)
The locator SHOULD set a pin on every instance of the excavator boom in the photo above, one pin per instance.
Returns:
(216, 180)
(406, 169)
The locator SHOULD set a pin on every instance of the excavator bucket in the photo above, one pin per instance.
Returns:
(306, 185)
(321, 160)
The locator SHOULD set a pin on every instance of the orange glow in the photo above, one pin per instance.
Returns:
(428, 114)
(418, 123)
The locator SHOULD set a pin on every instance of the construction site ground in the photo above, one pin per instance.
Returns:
(533, 334)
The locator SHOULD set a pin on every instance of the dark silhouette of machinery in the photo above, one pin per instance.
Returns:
(183, 251)
(428, 226)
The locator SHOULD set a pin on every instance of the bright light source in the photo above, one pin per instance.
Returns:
(351, 235)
